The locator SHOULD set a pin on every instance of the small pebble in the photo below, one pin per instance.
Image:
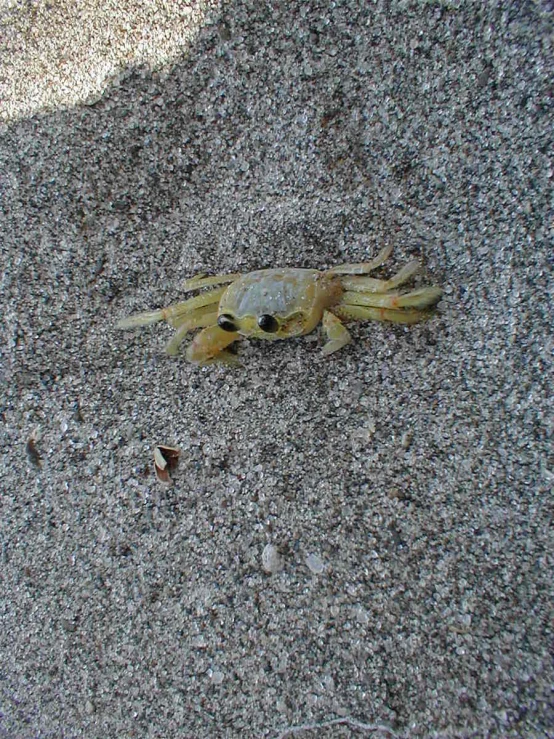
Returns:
(217, 677)
(315, 564)
(272, 561)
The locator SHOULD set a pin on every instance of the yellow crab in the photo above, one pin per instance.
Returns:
(284, 303)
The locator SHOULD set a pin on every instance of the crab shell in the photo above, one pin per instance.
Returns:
(294, 298)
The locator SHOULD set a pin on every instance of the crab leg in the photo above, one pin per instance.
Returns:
(367, 313)
(363, 268)
(337, 334)
(369, 284)
(198, 281)
(174, 313)
(424, 297)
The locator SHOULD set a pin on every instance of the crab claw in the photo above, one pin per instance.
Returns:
(210, 346)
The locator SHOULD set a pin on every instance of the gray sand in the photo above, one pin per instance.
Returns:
(404, 482)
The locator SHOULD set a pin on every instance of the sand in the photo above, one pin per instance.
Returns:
(400, 490)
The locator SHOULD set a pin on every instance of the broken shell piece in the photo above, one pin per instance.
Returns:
(165, 461)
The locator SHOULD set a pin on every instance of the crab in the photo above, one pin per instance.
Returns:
(284, 303)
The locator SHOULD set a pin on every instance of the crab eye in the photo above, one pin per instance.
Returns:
(268, 324)
(226, 322)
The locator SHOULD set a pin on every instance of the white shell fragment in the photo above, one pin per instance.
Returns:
(272, 561)
(165, 460)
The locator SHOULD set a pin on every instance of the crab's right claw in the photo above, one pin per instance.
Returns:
(337, 334)
(210, 346)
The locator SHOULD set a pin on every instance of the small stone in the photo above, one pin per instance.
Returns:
(272, 561)
(217, 677)
(315, 564)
